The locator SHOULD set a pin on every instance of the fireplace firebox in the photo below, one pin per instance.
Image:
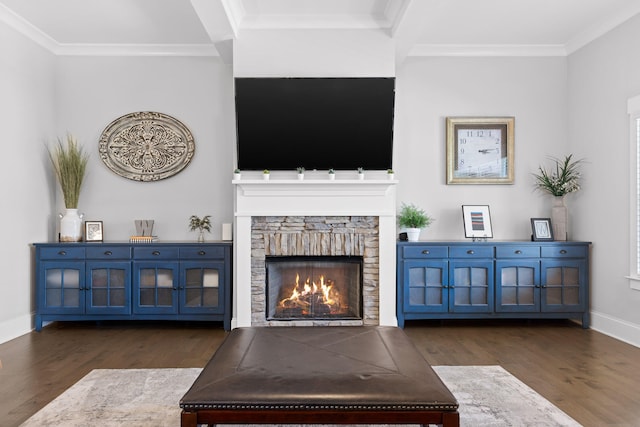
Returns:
(314, 287)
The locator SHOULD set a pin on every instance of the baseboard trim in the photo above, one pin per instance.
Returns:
(616, 328)
(13, 328)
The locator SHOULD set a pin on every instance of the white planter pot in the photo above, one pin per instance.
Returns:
(300, 176)
(265, 176)
(71, 226)
(413, 234)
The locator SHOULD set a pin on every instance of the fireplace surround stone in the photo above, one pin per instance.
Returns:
(315, 236)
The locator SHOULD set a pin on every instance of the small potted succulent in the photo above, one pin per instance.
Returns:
(265, 174)
(237, 174)
(332, 174)
(412, 219)
(300, 171)
(360, 173)
(390, 173)
(201, 224)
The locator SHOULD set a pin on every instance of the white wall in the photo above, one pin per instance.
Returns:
(601, 78)
(533, 90)
(26, 108)
(313, 53)
(93, 91)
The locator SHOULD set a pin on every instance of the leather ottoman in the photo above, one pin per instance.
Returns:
(318, 375)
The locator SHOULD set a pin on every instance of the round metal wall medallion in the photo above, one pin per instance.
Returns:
(146, 146)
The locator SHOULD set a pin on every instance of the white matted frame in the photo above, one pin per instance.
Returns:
(477, 221)
(541, 229)
(93, 231)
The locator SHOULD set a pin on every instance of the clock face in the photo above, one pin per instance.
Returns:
(479, 153)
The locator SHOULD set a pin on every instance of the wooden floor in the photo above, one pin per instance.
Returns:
(593, 378)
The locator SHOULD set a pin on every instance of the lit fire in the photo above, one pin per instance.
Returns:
(311, 297)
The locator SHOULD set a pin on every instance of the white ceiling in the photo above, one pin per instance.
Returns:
(419, 27)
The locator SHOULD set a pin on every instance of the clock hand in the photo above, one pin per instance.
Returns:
(487, 150)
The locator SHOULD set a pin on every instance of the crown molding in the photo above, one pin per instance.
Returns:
(25, 28)
(585, 37)
(487, 50)
(136, 50)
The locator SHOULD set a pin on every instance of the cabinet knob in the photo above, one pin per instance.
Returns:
(470, 252)
(108, 253)
(156, 253)
(518, 252)
(563, 251)
(426, 252)
(63, 253)
(202, 253)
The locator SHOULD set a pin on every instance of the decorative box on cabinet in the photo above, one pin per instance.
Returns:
(483, 280)
(129, 281)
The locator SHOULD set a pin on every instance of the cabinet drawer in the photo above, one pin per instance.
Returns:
(471, 252)
(425, 252)
(517, 251)
(61, 253)
(202, 252)
(108, 252)
(156, 253)
(564, 251)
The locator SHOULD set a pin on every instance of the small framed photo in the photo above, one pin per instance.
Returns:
(477, 221)
(93, 231)
(480, 150)
(541, 229)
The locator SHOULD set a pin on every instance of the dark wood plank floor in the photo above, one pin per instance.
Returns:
(592, 377)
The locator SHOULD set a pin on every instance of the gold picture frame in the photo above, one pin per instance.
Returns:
(480, 150)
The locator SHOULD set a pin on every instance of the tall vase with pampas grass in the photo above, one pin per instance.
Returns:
(70, 165)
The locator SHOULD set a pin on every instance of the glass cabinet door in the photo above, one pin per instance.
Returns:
(426, 287)
(63, 287)
(202, 287)
(563, 285)
(109, 287)
(517, 286)
(471, 290)
(155, 287)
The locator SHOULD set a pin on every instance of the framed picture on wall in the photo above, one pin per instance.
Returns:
(477, 221)
(480, 150)
(93, 231)
(541, 229)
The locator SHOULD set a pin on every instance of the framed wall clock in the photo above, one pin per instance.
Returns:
(480, 150)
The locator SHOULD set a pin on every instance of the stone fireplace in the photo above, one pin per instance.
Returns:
(308, 219)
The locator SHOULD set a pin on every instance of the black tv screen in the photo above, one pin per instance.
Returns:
(315, 123)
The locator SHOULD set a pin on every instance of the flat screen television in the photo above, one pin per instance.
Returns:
(315, 123)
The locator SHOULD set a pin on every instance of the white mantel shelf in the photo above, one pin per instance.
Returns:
(314, 197)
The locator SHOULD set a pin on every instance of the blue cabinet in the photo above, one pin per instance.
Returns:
(453, 280)
(128, 281)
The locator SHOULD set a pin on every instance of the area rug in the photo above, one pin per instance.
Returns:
(488, 396)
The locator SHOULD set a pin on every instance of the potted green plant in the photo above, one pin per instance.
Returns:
(412, 219)
(390, 173)
(265, 174)
(332, 174)
(300, 171)
(562, 179)
(70, 166)
(237, 174)
(361, 173)
(201, 224)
